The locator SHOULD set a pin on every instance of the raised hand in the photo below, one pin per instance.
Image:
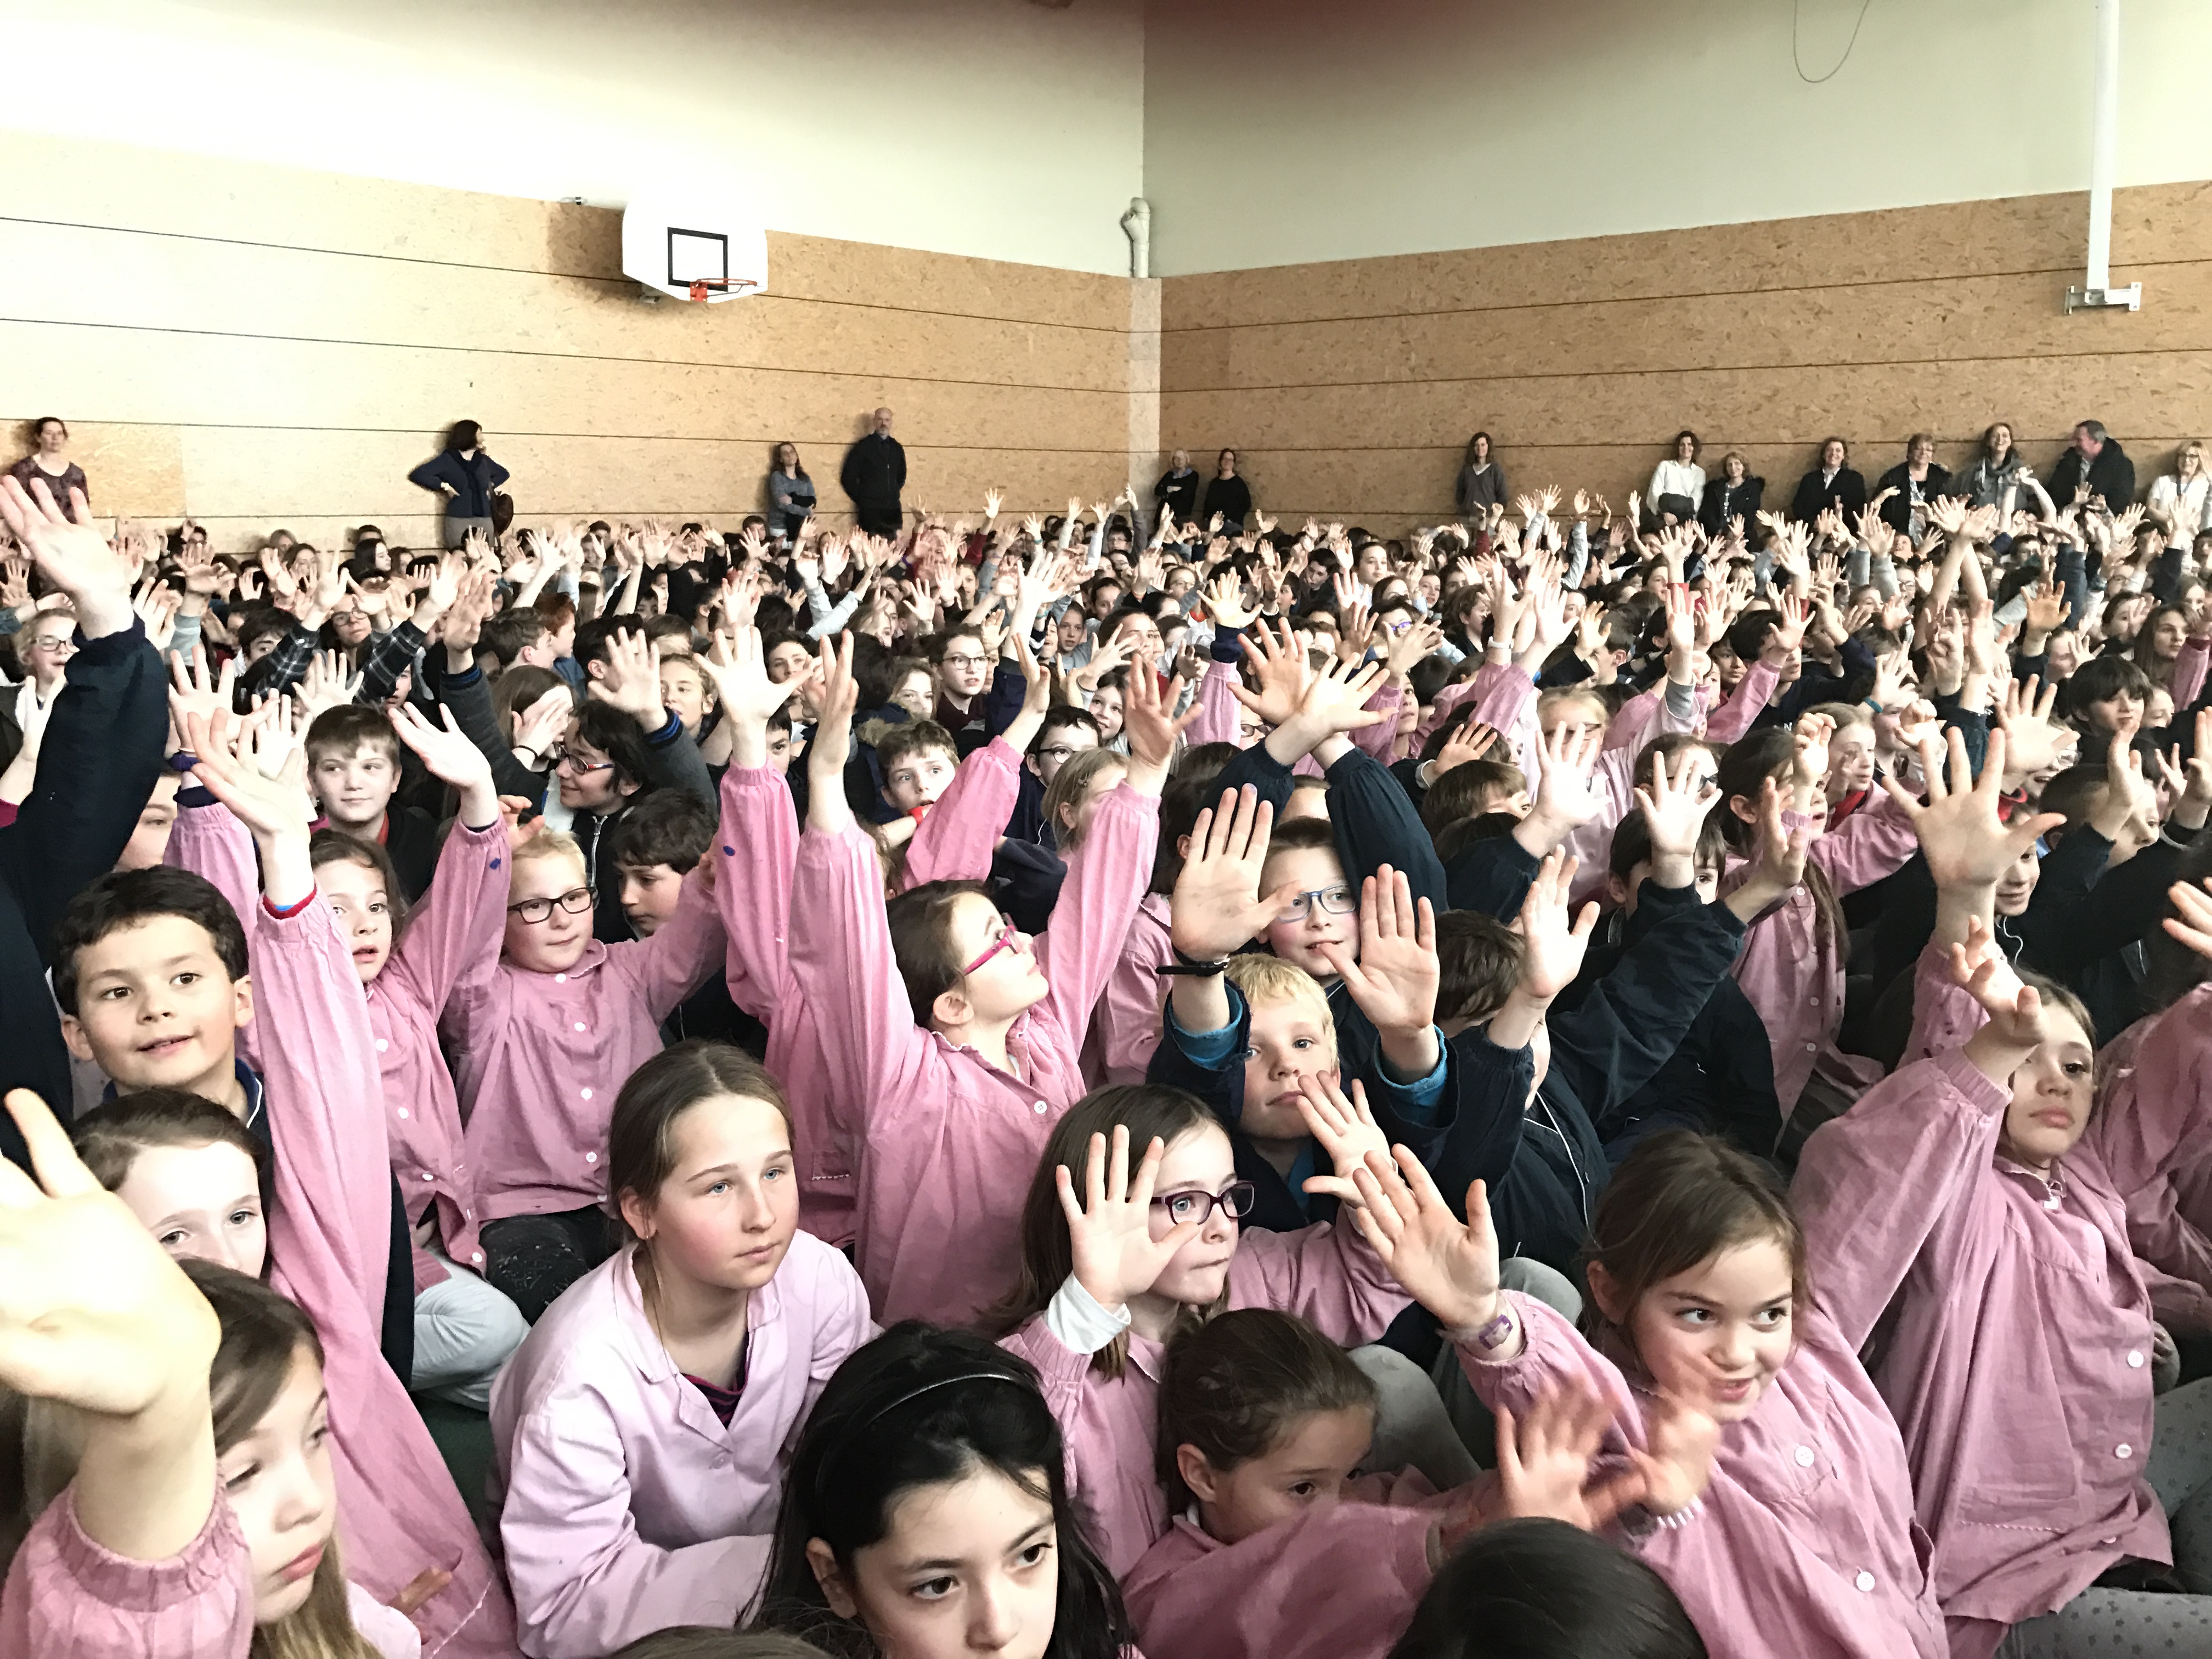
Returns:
(1448, 1266)
(327, 684)
(836, 695)
(1335, 700)
(1777, 863)
(1110, 1232)
(2032, 738)
(98, 1316)
(1225, 602)
(1149, 723)
(1966, 843)
(447, 754)
(545, 722)
(1675, 809)
(1217, 908)
(1280, 664)
(1552, 948)
(1789, 634)
(194, 691)
(2192, 923)
(1344, 1128)
(1809, 749)
(72, 555)
(275, 810)
(1470, 740)
(740, 671)
(1566, 793)
(1673, 1468)
(1544, 1459)
(632, 683)
(1394, 979)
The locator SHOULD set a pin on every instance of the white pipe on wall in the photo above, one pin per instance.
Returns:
(1138, 223)
(2104, 145)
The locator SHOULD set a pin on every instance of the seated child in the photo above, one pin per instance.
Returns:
(353, 768)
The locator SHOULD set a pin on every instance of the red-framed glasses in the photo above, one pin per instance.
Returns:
(1008, 936)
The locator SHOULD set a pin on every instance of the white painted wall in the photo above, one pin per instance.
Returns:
(996, 129)
(1310, 130)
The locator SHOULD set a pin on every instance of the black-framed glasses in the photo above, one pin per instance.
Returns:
(561, 754)
(1236, 1198)
(1337, 900)
(575, 902)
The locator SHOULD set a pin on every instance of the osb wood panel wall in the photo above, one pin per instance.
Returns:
(256, 346)
(1350, 389)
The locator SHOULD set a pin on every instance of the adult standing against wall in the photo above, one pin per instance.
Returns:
(48, 460)
(1177, 490)
(1917, 481)
(2181, 500)
(873, 474)
(464, 473)
(790, 493)
(1996, 470)
(1678, 483)
(1227, 494)
(1481, 481)
(1832, 483)
(2094, 465)
(1735, 495)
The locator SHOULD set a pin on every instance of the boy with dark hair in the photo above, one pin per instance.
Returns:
(654, 847)
(1067, 732)
(353, 771)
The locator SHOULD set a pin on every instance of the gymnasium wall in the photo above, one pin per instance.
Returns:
(1313, 131)
(1350, 388)
(992, 128)
(257, 345)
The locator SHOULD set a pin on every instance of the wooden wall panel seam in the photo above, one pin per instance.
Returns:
(1685, 368)
(572, 357)
(1760, 291)
(614, 282)
(747, 439)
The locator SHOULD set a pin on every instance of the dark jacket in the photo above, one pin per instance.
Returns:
(1720, 1080)
(1897, 511)
(675, 763)
(472, 481)
(873, 474)
(1724, 502)
(1815, 497)
(1603, 1052)
(1231, 497)
(102, 751)
(1178, 492)
(2112, 474)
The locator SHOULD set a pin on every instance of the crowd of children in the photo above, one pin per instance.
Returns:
(1565, 1086)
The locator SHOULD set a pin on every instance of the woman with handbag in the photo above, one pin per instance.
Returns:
(469, 480)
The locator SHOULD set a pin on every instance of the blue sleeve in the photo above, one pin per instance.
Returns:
(1002, 700)
(432, 473)
(1376, 824)
(1212, 1050)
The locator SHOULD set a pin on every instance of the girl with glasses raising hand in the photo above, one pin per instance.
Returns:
(1108, 1279)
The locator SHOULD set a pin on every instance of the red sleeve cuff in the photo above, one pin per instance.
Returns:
(286, 912)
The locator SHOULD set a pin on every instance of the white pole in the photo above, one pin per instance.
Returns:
(2104, 145)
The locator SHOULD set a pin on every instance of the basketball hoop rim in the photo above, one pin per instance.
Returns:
(700, 288)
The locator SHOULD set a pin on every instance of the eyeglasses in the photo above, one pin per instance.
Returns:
(1236, 1198)
(1008, 936)
(575, 902)
(561, 756)
(965, 661)
(1058, 752)
(1338, 901)
(53, 642)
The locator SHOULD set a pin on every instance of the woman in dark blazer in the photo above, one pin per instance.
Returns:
(467, 477)
(1831, 484)
(1734, 494)
(1917, 480)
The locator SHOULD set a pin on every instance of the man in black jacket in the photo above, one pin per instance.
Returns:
(1832, 483)
(873, 474)
(103, 751)
(2095, 466)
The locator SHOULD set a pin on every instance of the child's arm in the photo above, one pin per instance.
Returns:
(2159, 1115)
(955, 839)
(1108, 874)
(139, 1554)
(757, 842)
(457, 926)
(1874, 1185)
(841, 956)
